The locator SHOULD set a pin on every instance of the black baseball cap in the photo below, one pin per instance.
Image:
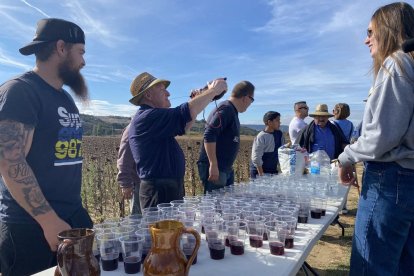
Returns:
(53, 29)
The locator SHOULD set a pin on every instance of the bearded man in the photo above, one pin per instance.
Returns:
(41, 150)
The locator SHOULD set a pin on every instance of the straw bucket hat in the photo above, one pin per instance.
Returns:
(141, 84)
(321, 110)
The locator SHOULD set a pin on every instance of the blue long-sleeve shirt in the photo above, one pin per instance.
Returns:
(152, 140)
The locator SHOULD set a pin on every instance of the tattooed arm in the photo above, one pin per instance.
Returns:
(15, 142)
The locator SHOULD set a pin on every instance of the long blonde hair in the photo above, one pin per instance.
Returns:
(392, 25)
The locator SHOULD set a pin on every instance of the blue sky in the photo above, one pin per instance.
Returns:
(290, 50)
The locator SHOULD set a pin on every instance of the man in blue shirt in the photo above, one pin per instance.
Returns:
(159, 159)
(222, 138)
(322, 134)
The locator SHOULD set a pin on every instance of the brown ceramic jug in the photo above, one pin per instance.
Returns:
(74, 254)
(165, 256)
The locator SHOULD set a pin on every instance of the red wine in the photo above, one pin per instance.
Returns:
(237, 248)
(276, 248)
(132, 265)
(316, 213)
(217, 254)
(289, 242)
(109, 265)
(256, 241)
(303, 219)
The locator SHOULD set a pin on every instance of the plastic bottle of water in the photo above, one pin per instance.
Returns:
(315, 166)
(320, 163)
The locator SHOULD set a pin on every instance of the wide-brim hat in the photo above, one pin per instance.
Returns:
(53, 29)
(321, 110)
(141, 84)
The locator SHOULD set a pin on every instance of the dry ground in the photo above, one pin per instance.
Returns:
(331, 254)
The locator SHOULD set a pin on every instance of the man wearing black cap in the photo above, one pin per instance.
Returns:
(40, 150)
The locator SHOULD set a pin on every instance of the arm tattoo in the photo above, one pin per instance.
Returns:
(36, 200)
(13, 140)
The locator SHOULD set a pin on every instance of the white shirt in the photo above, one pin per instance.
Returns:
(295, 126)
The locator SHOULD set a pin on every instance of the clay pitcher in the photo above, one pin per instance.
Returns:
(165, 256)
(74, 254)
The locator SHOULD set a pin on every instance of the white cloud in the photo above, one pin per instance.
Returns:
(9, 61)
(104, 108)
(35, 8)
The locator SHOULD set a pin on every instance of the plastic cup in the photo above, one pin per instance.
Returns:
(109, 249)
(131, 246)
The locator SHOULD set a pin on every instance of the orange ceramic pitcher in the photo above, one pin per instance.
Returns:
(74, 255)
(165, 256)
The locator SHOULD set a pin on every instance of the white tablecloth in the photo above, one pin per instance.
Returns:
(259, 261)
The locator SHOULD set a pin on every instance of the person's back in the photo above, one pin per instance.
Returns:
(341, 112)
(298, 123)
(127, 176)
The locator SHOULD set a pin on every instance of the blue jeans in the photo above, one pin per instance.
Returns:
(383, 242)
(225, 178)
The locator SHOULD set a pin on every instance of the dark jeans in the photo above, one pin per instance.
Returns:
(24, 249)
(225, 178)
(160, 190)
(135, 205)
(383, 242)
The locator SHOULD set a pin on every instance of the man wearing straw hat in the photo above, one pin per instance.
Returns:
(159, 159)
(322, 134)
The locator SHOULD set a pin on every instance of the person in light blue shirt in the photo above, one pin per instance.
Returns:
(341, 112)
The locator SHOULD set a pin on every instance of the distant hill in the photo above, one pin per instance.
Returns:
(113, 125)
(283, 128)
(103, 125)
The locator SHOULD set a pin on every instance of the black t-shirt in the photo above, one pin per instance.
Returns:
(56, 152)
(223, 128)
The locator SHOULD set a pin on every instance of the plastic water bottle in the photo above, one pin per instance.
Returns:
(315, 166)
(320, 163)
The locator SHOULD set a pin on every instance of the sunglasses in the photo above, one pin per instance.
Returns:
(303, 107)
(369, 33)
(251, 98)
